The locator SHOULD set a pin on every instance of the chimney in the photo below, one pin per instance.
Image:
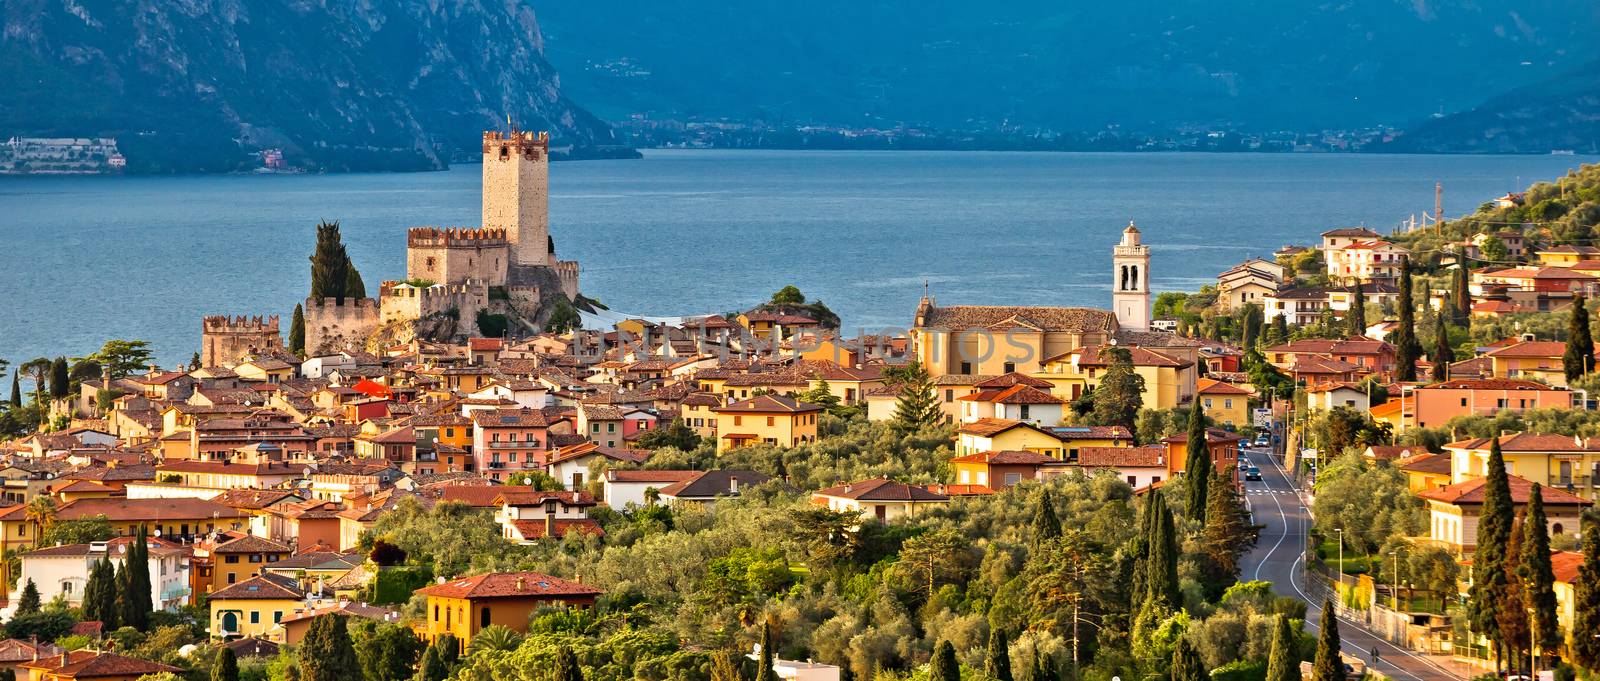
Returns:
(522, 582)
(733, 484)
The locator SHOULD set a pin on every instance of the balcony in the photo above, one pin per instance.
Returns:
(1572, 481)
(528, 444)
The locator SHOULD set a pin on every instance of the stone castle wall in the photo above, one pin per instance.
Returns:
(403, 302)
(226, 340)
(567, 274)
(516, 192)
(331, 327)
(451, 256)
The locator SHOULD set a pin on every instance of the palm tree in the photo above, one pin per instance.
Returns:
(494, 637)
(42, 512)
(38, 369)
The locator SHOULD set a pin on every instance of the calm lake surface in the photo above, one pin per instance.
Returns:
(83, 259)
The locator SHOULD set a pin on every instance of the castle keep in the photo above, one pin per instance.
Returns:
(505, 266)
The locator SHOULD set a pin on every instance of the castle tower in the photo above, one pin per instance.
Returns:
(226, 340)
(1130, 294)
(516, 193)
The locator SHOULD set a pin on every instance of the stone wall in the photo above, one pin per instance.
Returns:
(404, 302)
(453, 256)
(226, 340)
(331, 327)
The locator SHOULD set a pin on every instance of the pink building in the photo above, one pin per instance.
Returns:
(1438, 403)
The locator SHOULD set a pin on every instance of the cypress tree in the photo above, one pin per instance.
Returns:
(297, 331)
(29, 603)
(1283, 664)
(16, 391)
(1328, 665)
(1406, 347)
(1046, 525)
(1537, 575)
(944, 667)
(1161, 571)
(137, 613)
(122, 600)
(998, 663)
(1186, 663)
(326, 653)
(432, 668)
(1443, 354)
(1280, 328)
(226, 667)
(1139, 581)
(194, 361)
(449, 650)
(354, 287)
(1488, 562)
(60, 378)
(1042, 667)
(1586, 597)
(567, 668)
(764, 671)
(332, 274)
(1461, 295)
(1197, 461)
(1357, 316)
(1579, 357)
(100, 594)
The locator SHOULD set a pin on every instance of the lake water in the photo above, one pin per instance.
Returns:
(681, 232)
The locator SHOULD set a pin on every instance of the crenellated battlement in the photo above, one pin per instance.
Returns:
(455, 237)
(240, 324)
(516, 143)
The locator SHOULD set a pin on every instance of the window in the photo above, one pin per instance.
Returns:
(232, 577)
(277, 616)
(771, 421)
(1010, 367)
(1013, 478)
(1227, 404)
(483, 617)
(1024, 412)
(1207, 402)
(255, 617)
(949, 395)
(966, 367)
(738, 420)
(230, 559)
(611, 427)
(255, 557)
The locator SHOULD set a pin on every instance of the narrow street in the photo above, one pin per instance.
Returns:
(1277, 557)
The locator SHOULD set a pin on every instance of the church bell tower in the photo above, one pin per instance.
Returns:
(1130, 293)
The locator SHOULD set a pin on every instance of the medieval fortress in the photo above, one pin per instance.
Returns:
(505, 266)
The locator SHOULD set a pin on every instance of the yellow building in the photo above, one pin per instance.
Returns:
(1558, 461)
(1168, 381)
(696, 410)
(1225, 403)
(1537, 360)
(463, 607)
(238, 558)
(1007, 435)
(769, 419)
(995, 340)
(1425, 471)
(1454, 511)
(1565, 565)
(253, 607)
(268, 369)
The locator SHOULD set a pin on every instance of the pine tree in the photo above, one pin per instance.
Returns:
(1186, 663)
(137, 613)
(1197, 464)
(943, 666)
(998, 662)
(1357, 316)
(1406, 347)
(1227, 534)
(1579, 357)
(1328, 666)
(567, 668)
(1586, 597)
(1494, 534)
(1537, 575)
(1120, 394)
(1046, 525)
(326, 653)
(60, 378)
(764, 671)
(29, 603)
(1283, 664)
(1443, 354)
(917, 407)
(226, 667)
(297, 331)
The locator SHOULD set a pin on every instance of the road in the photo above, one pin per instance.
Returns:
(1277, 557)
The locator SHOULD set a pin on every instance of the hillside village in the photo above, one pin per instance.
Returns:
(653, 495)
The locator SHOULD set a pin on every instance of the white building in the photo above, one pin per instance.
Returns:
(527, 516)
(64, 570)
(630, 488)
(795, 670)
(1130, 297)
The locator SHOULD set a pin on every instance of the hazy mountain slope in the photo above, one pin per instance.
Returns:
(1559, 113)
(1069, 64)
(345, 84)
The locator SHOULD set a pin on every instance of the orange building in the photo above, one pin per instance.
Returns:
(465, 606)
(1432, 406)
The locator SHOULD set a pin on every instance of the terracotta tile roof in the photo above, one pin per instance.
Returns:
(768, 404)
(1490, 384)
(347, 608)
(1213, 436)
(880, 489)
(1530, 442)
(1006, 458)
(650, 476)
(961, 490)
(1355, 232)
(1565, 565)
(1068, 319)
(251, 544)
(510, 418)
(1531, 349)
(89, 664)
(578, 451)
(1091, 356)
(527, 496)
(1427, 462)
(535, 529)
(132, 510)
(1070, 433)
(1151, 456)
(1207, 386)
(991, 426)
(251, 646)
(261, 587)
(256, 499)
(1012, 379)
(1471, 492)
(13, 651)
(509, 585)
